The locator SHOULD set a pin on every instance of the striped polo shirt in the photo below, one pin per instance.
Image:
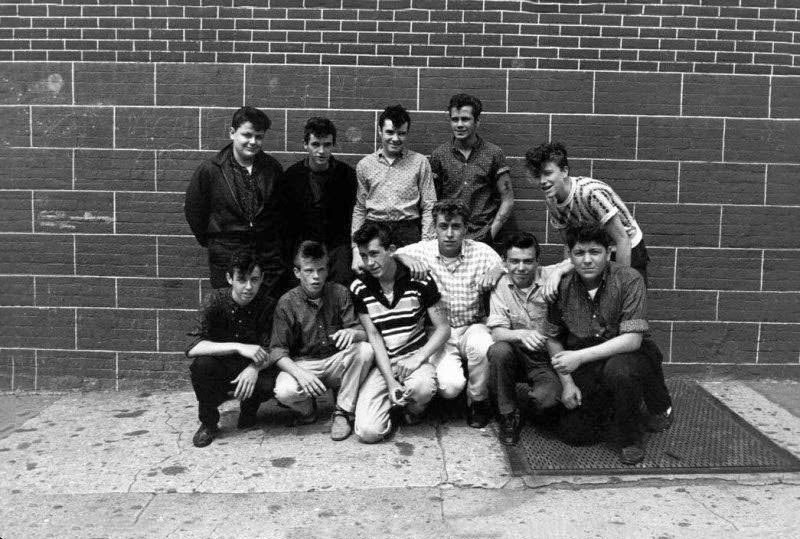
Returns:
(400, 322)
(591, 201)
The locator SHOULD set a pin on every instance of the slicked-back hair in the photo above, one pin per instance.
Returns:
(538, 157)
(466, 100)
(245, 261)
(397, 114)
(370, 231)
(587, 234)
(450, 208)
(319, 127)
(521, 240)
(310, 250)
(260, 121)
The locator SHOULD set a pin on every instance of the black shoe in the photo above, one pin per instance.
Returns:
(479, 414)
(510, 427)
(204, 436)
(631, 454)
(246, 420)
(659, 422)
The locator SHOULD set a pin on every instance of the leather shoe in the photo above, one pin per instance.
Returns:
(341, 427)
(478, 415)
(631, 454)
(510, 427)
(204, 436)
(659, 422)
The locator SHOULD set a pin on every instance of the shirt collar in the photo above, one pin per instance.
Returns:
(475, 148)
(310, 301)
(331, 165)
(381, 157)
(401, 277)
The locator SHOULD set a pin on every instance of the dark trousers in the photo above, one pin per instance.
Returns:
(211, 380)
(403, 232)
(340, 265)
(613, 389)
(639, 259)
(510, 363)
(220, 251)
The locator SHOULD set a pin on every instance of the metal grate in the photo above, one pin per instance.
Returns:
(705, 436)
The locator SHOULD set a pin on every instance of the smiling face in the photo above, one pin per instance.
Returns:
(590, 259)
(319, 151)
(450, 234)
(312, 274)
(245, 287)
(377, 259)
(393, 138)
(553, 180)
(463, 124)
(247, 142)
(521, 264)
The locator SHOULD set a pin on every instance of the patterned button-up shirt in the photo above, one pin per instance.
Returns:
(619, 306)
(302, 327)
(247, 192)
(396, 191)
(472, 181)
(512, 308)
(458, 280)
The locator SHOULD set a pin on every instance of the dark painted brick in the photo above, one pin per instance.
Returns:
(596, 136)
(725, 95)
(639, 181)
(696, 139)
(151, 213)
(715, 269)
(759, 306)
(15, 211)
(115, 170)
(760, 227)
(762, 141)
(181, 257)
(174, 169)
(286, 86)
(171, 369)
(35, 83)
(74, 292)
(216, 125)
(23, 365)
(74, 212)
(504, 130)
(680, 305)
(157, 128)
(355, 131)
(158, 293)
(785, 97)
(550, 91)
(436, 86)
(28, 168)
(37, 328)
(199, 85)
(115, 255)
(116, 329)
(39, 254)
(722, 183)
(781, 270)
(428, 130)
(782, 182)
(81, 127)
(637, 93)
(16, 291)
(661, 267)
(714, 343)
(14, 126)
(67, 369)
(172, 328)
(780, 343)
(107, 83)
(366, 88)
(530, 216)
(676, 225)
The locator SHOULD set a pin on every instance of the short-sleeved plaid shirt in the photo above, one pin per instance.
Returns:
(457, 281)
(594, 202)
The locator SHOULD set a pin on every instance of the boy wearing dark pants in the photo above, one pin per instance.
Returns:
(229, 348)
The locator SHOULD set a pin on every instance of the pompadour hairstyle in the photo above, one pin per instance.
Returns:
(310, 250)
(370, 231)
(466, 100)
(397, 114)
(450, 208)
(587, 234)
(521, 240)
(536, 158)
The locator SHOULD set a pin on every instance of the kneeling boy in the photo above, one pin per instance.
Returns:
(229, 348)
(392, 306)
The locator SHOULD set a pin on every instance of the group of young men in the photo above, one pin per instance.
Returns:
(373, 282)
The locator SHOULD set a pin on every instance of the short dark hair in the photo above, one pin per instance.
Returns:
(587, 234)
(310, 250)
(319, 127)
(450, 208)
(397, 114)
(370, 231)
(521, 240)
(245, 261)
(466, 100)
(260, 121)
(536, 158)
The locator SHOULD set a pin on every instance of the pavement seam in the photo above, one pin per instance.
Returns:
(707, 508)
(446, 479)
(142, 510)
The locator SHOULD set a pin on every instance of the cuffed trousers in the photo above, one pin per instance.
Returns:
(510, 363)
(471, 343)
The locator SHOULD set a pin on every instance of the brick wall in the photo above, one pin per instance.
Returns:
(691, 110)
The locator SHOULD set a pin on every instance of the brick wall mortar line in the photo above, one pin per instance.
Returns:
(329, 86)
(716, 308)
(33, 212)
(155, 171)
(200, 128)
(761, 278)
(75, 319)
(116, 371)
(769, 98)
(244, 87)
(671, 331)
(594, 91)
(549, 127)
(30, 126)
(114, 127)
(158, 336)
(508, 84)
(636, 141)
(35, 284)
(719, 231)
(419, 103)
(116, 292)
(35, 369)
(158, 273)
(285, 131)
(766, 179)
(678, 193)
(675, 270)
(13, 372)
(72, 78)
(155, 84)
(724, 130)
(758, 343)
(74, 254)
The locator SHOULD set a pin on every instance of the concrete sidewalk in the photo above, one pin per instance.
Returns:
(122, 465)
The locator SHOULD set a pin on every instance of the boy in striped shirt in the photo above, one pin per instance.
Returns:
(576, 200)
(392, 305)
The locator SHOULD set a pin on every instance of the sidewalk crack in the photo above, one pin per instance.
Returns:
(142, 510)
(710, 510)
(439, 440)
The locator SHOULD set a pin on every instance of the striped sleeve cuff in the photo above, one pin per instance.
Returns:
(634, 326)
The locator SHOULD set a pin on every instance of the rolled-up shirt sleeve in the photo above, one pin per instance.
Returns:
(203, 324)
(554, 325)
(633, 318)
(498, 312)
(280, 340)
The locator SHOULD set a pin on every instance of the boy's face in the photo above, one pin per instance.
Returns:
(377, 259)
(247, 141)
(319, 150)
(450, 234)
(312, 275)
(245, 287)
(589, 259)
(463, 123)
(392, 138)
(552, 180)
(521, 264)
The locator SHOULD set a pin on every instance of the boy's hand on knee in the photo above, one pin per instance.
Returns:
(309, 383)
(408, 365)
(344, 338)
(245, 383)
